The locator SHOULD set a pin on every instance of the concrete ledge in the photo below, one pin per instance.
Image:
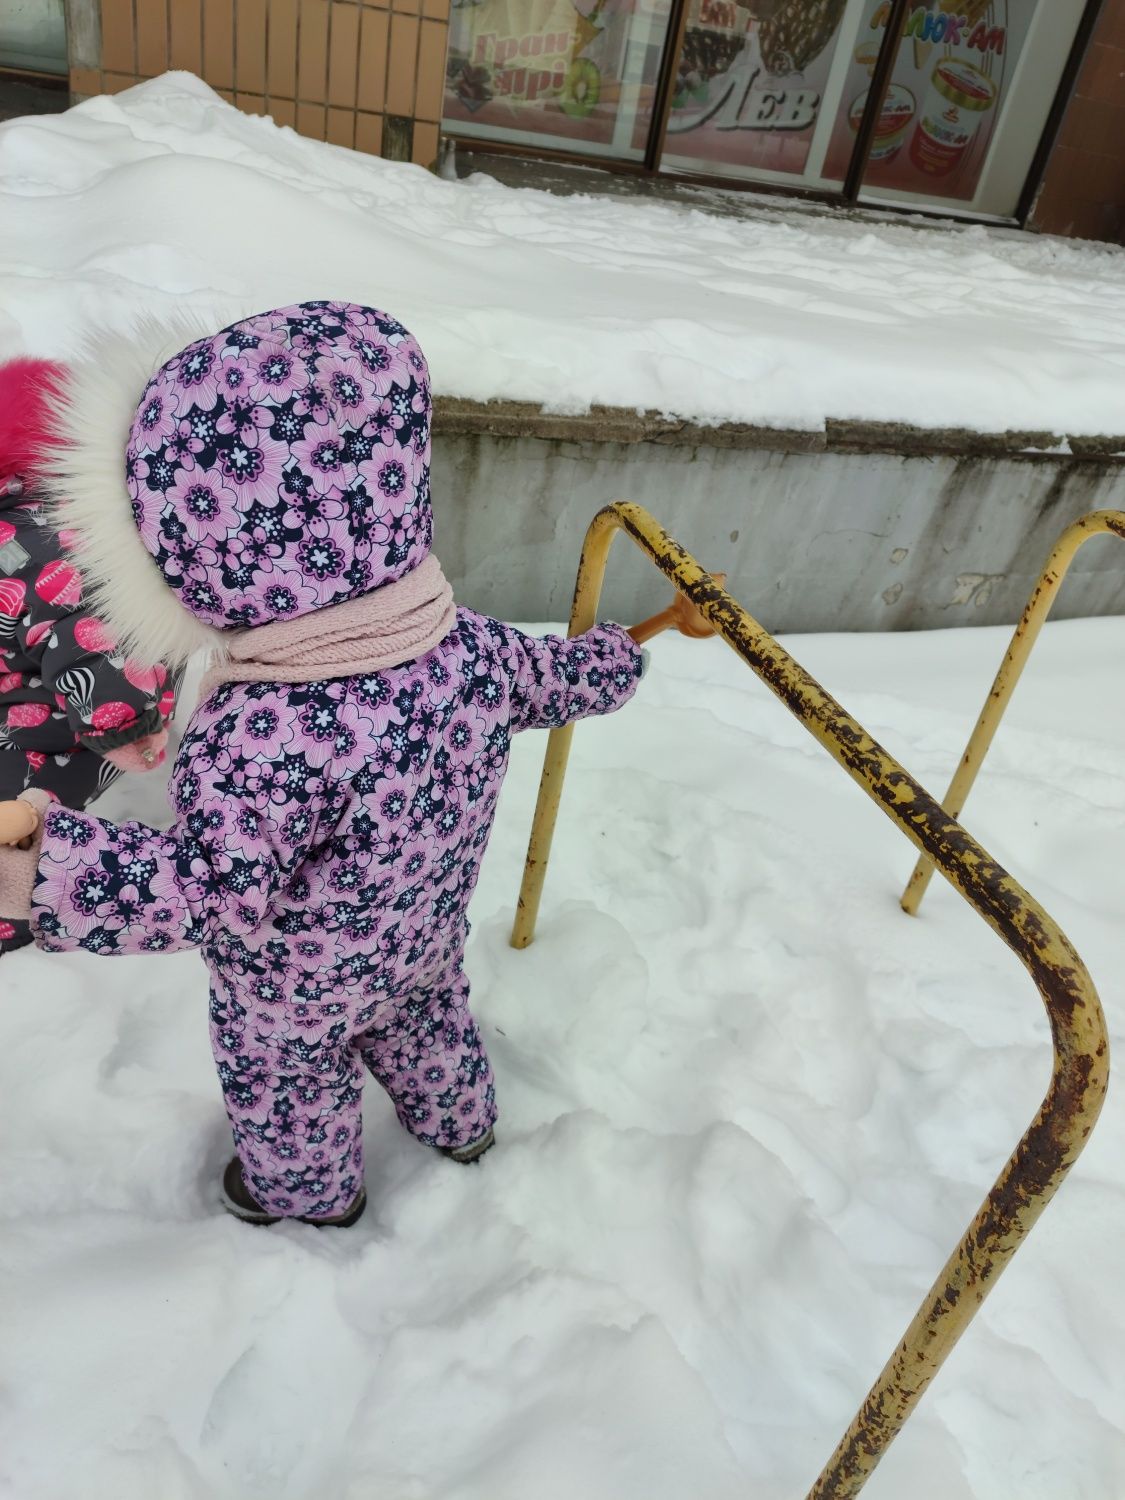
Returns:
(456, 416)
(1099, 447)
(916, 442)
(859, 527)
(453, 415)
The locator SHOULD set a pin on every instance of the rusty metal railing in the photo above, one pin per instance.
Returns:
(1053, 1140)
(1097, 523)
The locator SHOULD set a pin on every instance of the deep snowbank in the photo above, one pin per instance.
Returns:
(165, 196)
(747, 1108)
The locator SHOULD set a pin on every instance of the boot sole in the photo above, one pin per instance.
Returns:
(466, 1155)
(263, 1219)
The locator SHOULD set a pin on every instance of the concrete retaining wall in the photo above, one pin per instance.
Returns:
(819, 531)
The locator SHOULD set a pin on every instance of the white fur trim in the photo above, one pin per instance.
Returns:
(86, 490)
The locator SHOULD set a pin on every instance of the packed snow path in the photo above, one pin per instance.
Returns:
(747, 1107)
(165, 197)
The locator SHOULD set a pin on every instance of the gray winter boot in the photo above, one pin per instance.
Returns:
(466, 1155)
(237, 1200)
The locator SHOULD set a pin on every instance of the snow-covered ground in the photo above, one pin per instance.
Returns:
(165, 197)
(747, 1109)
(747, 1106)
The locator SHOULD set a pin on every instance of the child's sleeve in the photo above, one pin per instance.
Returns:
(128, 888)
(109, 706)
(557, 680)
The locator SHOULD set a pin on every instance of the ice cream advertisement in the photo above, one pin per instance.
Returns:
(946, 91)
(750, 83)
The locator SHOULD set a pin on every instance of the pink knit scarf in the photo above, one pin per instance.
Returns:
(395, 624)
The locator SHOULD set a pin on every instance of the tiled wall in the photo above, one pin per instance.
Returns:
(363, 73)
(1084, 190)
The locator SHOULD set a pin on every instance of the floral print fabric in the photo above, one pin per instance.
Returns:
(283, 464)
(328, 837)
(75, 780)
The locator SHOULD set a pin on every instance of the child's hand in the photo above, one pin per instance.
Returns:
(142, 755)
(18, 822)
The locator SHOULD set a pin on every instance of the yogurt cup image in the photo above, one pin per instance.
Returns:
(956, 102)
(890, 130)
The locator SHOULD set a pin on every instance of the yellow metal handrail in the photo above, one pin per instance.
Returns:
(1097, 523)
(1053, 1140)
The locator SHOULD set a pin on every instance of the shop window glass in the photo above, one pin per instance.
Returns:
(757, 88)
(774, 91)
(577, 77)
(33, 35)
(969, 97)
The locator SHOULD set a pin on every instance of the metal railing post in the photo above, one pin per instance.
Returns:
(1097, 523)
(1080, 1071)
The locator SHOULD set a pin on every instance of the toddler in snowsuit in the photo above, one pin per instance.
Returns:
(73, 714)
(269, 498)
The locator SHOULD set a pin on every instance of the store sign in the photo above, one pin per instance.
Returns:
(751, 81)
(945, 96)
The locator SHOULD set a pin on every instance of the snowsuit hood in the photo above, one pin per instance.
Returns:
(274, 468)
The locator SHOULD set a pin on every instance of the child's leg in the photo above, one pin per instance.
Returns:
(74, 779)
(429, 1057)
(295, 1112)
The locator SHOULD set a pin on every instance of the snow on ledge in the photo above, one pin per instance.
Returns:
(165, 195)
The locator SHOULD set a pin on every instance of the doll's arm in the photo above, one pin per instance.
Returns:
(558, 680)
(680, 615)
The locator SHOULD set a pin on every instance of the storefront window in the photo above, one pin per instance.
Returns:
(757, 87)
(969, 96)
(774, 91)
(578, 77)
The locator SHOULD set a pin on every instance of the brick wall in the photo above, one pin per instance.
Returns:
(362, 73)
(1083, 192)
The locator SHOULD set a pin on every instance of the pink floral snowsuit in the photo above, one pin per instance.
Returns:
(328, 836)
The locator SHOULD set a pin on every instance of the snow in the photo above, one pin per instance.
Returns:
(747, 1109)
(165, 197)
(747, 1105)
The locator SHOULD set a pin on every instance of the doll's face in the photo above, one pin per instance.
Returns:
(18, 821)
